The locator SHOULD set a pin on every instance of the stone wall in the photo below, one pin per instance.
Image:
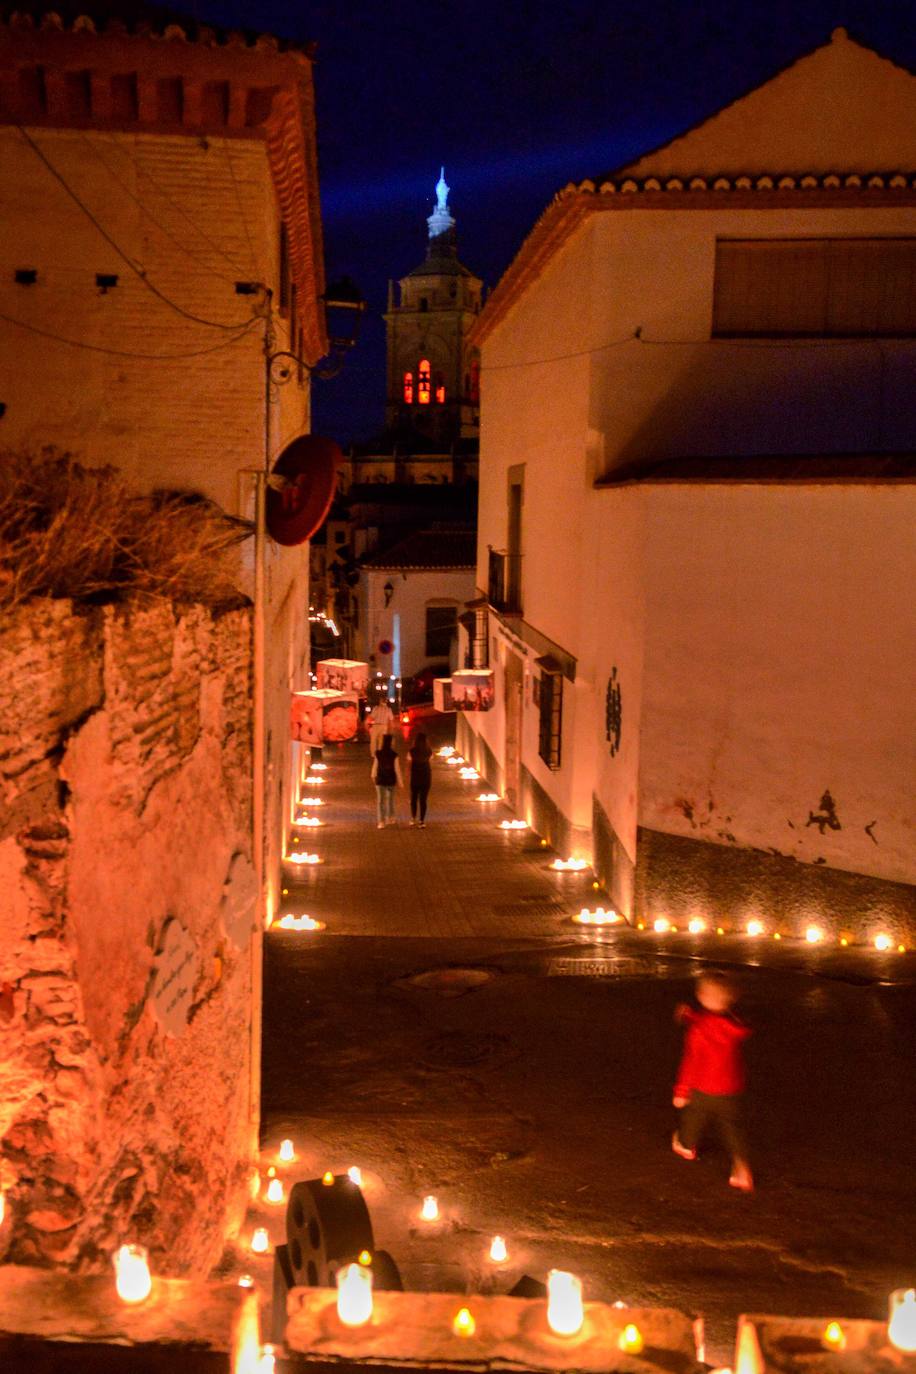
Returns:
(126, 931)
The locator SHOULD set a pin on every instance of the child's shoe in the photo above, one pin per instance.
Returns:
(742, 1178)
(680, 1149)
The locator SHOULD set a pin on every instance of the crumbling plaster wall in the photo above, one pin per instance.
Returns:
(125, 768)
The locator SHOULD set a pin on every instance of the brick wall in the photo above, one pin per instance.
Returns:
(125, 768)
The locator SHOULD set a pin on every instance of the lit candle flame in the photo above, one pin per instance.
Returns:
(631, 1339)
(883, 942)
(364, 1257)
(355, 1175)
(275, 1191)
(267, 1364)
(754, 927)
(661, 926)
(260, 1242)
(488, 797)
(814, 935)
(132, 1277)
(464, 1323)
(430, 1209)
(327, 1179)
(599, 917)
(569, 865)
(498, 1252)
(290, 922)
(513, 825)
(303, 858)
(287, 1152)
(354, 1294)
(246, 1281)
(565, 1313)
(834, 1337)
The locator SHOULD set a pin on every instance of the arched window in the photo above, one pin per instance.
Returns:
(423, 382)
(440, 389)
(408, 388)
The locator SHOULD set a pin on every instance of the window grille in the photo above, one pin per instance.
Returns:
(550, 712)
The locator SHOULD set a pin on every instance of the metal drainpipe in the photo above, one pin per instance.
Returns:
(259, 747)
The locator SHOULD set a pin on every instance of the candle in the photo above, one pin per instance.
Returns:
(488, 797)
(569, 865)
(132, 1276)
(600, 917)
(631, 1339)
(364, 1257)
(267, 1364)
(749, 1357)
(564, 1303)
(290, 922)
(355, 1175)
(327, 1179)
(696, 925)
(498, 1252)
(260, 1242)
(882, 942)
(755, 927)
(430, 1209)
(814, 935)
(275, 1190)
(246, 1281)
(662, 925)
(287, 1152)
(901, 1327)
(513, 825)
(834, 1338)
(464, 1323)
(354, 1294)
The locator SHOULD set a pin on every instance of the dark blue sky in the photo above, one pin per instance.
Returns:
(515, 99)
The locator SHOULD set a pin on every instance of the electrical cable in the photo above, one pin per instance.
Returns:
(139, 271)
(205, 266)
(145, 172)
(125, 353)
(637, 337)
(238, 201)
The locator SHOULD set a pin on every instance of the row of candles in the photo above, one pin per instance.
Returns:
(813, 934)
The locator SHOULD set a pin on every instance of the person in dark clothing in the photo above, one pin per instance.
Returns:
(421, 776)
(386, 774)
(710, 1080)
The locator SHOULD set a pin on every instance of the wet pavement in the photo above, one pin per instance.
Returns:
(531, 1093)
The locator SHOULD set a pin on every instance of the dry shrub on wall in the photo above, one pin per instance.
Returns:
(76, 532)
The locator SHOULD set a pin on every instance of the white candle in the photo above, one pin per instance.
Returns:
(132, 1276)
(464, 1323)
(287, 1152)
(901, 1328)
(814, 935)
(498, 1252)
(355, 1175)
(565, 1314)
(354, 1294)
(260, 1241)
(275, 1190)
(755, 927)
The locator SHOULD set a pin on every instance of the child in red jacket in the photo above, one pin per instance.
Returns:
(710, 1080)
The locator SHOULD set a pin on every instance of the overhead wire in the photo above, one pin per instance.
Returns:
(128, 353)
(238, 200)
(125, 257)
(144, 208)
(637, 337)
(143, 171)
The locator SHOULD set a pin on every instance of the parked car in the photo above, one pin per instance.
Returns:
(420, 687)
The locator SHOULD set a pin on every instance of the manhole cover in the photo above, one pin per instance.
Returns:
(448, 982)
(458, 1050)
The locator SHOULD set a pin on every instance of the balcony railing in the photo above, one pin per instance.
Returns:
(504, 588)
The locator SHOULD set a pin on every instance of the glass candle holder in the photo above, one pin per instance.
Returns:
(354, 1294)
(901, 1323)
(565, 1313)
(132, 1276)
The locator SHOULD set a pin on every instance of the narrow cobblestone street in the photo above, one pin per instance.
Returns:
(533, 1097)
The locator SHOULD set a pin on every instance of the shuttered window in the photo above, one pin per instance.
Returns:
(815, 288)
(550, 711)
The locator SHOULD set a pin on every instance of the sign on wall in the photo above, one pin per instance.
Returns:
(174, 976)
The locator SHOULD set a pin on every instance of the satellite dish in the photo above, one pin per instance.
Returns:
(301, 488)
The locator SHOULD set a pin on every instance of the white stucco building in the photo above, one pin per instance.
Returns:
(696, 553)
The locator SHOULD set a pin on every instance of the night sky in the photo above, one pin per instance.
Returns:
(515, 99)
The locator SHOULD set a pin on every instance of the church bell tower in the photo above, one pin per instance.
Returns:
(433, 377)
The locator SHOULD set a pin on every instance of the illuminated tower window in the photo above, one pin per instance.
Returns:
(440, 389)
(408, 388)
(423, 382)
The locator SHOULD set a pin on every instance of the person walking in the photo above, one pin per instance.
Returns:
(386, 774)
(421, 776)
(710, 1080)
(381, 720)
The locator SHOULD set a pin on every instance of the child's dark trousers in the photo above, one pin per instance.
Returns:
(714, 1113)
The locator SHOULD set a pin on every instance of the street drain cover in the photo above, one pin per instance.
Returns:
(449, 982)
(457, 1050)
